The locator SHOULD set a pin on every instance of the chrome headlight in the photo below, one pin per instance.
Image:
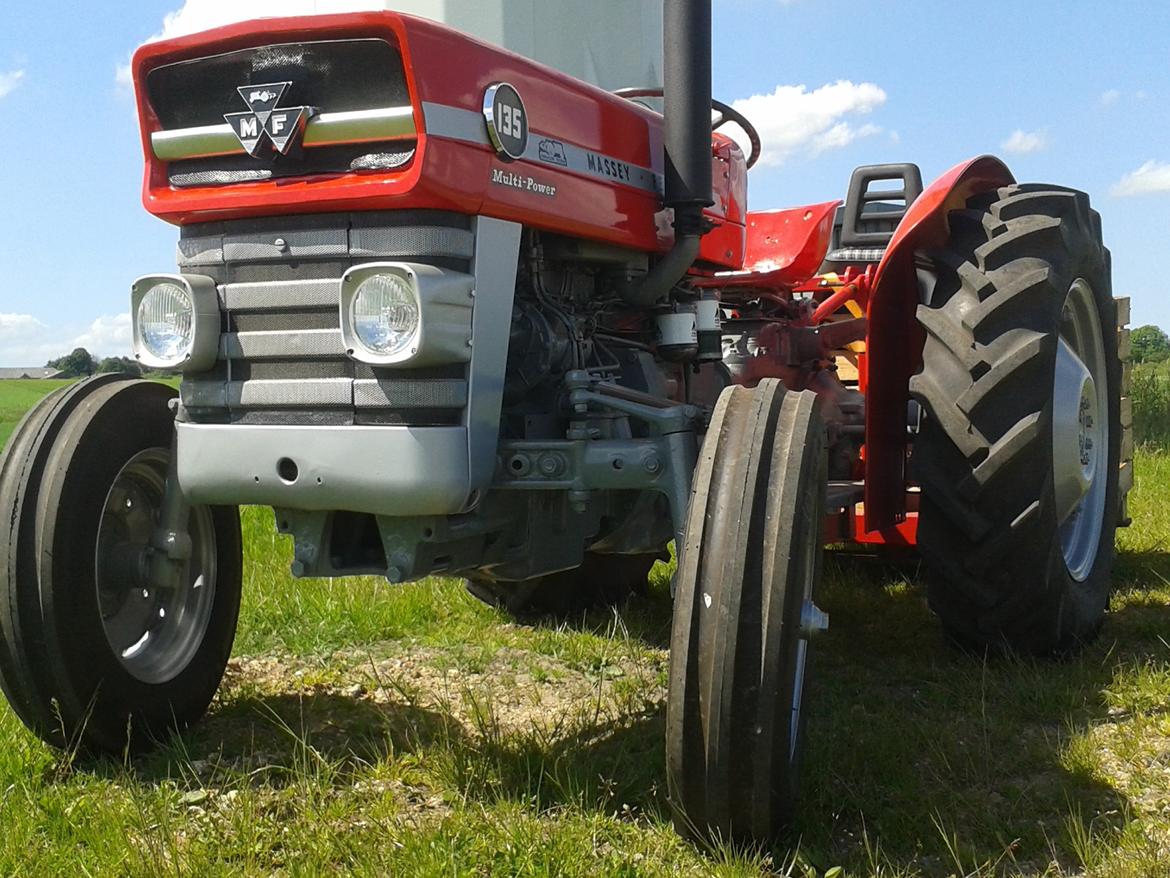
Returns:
(176, 322)
(385, 315)
(397, 313)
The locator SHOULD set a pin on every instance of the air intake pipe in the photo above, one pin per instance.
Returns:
(687, 111)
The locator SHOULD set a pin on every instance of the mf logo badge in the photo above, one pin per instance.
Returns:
(282, 127)
(507, 121)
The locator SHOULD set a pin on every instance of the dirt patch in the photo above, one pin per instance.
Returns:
(515, 691)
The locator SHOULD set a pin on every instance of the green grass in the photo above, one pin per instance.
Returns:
(380, 730)
(1150, 390)
(17, 397)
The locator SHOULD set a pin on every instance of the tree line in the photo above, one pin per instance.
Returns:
(81, 364)
(1149, 344)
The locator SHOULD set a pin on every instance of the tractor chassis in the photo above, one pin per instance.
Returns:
(578, 475)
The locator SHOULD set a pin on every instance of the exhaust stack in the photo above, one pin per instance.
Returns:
(687, 104)
(687, 110)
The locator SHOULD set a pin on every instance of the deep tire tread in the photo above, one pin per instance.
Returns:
(58, 671)
(734, 634)
(987, 529)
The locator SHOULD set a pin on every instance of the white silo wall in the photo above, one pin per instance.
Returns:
(611, 43)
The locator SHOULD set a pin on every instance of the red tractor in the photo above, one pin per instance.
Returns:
(486, 320)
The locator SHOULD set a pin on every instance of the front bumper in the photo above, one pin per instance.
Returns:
(391, 471)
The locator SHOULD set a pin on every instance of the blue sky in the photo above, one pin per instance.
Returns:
(1071, 92)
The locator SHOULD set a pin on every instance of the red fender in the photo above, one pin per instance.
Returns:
(895, 340)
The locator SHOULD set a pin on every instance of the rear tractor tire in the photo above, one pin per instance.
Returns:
(744, 614)
(92, 655)
(1018, 455)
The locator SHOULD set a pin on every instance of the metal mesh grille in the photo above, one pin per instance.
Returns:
(334, 76)
(282, 358)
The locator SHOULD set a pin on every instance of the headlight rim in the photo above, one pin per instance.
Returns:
(186, 335)
(202, 350)
(413, 342)
(445, 300)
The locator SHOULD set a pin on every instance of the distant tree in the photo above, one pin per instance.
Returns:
(1149, 344)
(76, 364)
(119, 364)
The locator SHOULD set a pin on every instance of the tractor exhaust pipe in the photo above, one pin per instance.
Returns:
(687, 104)
(687, 110)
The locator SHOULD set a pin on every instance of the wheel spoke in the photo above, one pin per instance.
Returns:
(125, 627)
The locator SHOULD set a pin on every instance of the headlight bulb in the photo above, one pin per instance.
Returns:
(166, 318)
(385, 314)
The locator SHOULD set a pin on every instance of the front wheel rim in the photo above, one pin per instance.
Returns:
(153, 632)
(1080, 431)
(804, 634)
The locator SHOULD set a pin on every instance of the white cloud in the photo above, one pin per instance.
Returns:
(15, 325)
(1023, 142)
(197, 15)
(795, 121)
(27, 341)
(106, 336)
(1109, 97)
(24, 341)
(1149, 178)
(9, 81)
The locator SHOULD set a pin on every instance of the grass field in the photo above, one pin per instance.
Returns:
(381, 730)
(17, 397)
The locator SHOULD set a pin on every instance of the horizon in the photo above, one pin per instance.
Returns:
(76, 235)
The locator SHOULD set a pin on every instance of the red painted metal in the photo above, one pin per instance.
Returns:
(452, 174)
(769, 253)
(894, 346)
(834, 303)
(793, 241)
(784, 248)
(725, 244)
(904, 533)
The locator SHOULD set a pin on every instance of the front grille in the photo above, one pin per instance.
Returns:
(228, 169)
(282, 360)
(334, 76)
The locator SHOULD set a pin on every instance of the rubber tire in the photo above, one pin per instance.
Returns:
(601, 581)
(996, 575)
(753, 541)
(59, 672)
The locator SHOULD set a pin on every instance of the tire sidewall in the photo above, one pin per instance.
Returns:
(93, 688)
(988, 526)
(1083, 602)
(809, 525)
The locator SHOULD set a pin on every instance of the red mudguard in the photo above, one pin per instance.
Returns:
(895, 339)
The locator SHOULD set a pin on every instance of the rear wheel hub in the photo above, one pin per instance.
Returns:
(1080, 441)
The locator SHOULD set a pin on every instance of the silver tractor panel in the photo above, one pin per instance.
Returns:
(287, 419)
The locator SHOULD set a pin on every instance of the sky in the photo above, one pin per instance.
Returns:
(1072, 92)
